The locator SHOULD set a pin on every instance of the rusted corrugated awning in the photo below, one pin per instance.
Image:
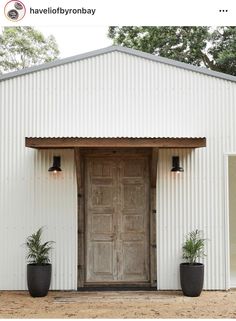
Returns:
(73, 142)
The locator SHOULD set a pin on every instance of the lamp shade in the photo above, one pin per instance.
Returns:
(56, 166)
(175, 165)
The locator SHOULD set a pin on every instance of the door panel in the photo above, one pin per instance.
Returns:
(134, 223)
(117, 224)
(100, 220)
(102, 257)
(133, 260)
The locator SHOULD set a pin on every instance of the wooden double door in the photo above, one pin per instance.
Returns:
(117, 219)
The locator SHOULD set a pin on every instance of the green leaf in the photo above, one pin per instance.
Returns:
(38, 252)
(193, 248)
(213, 48)
(23, 47)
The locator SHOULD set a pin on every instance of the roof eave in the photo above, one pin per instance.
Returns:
(129, 51)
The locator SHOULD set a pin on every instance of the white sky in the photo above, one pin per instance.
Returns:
(75, 40)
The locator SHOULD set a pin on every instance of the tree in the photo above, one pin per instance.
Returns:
(22, 47)
(214, 48)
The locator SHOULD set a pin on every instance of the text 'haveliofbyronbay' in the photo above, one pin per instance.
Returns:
(63, 11)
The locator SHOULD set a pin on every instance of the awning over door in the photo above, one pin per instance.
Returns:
(73, 142)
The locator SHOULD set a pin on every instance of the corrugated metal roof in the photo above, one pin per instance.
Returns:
(123, 50)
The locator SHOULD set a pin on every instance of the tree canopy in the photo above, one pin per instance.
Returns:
(214, 48)
(22, 47)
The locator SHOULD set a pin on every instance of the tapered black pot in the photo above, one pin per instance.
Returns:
(38, 279)
(191, 278)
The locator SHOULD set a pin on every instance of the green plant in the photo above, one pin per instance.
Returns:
(38, 252)
(193, 247)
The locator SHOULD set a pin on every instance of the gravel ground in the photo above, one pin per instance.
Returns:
(117, 304)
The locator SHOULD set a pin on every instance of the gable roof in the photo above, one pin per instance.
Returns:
(129, 51)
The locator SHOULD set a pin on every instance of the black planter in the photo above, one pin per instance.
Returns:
(191, 278)
(38, 279)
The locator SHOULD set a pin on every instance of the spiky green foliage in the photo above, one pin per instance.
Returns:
(193, 247)
(38, 252)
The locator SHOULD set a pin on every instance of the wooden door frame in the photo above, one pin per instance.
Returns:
(80, 154)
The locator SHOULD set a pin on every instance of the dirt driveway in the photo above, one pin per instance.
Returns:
(164, 304)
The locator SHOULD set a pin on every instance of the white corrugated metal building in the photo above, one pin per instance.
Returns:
(117, 213)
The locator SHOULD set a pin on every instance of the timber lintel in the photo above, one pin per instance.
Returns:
(74, 142)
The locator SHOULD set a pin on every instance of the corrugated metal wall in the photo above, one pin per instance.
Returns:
(113, 95)
(31, 198)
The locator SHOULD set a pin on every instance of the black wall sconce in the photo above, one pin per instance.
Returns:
(56, 166)
(175, 165)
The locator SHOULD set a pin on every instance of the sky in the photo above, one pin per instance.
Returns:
(76, 40)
